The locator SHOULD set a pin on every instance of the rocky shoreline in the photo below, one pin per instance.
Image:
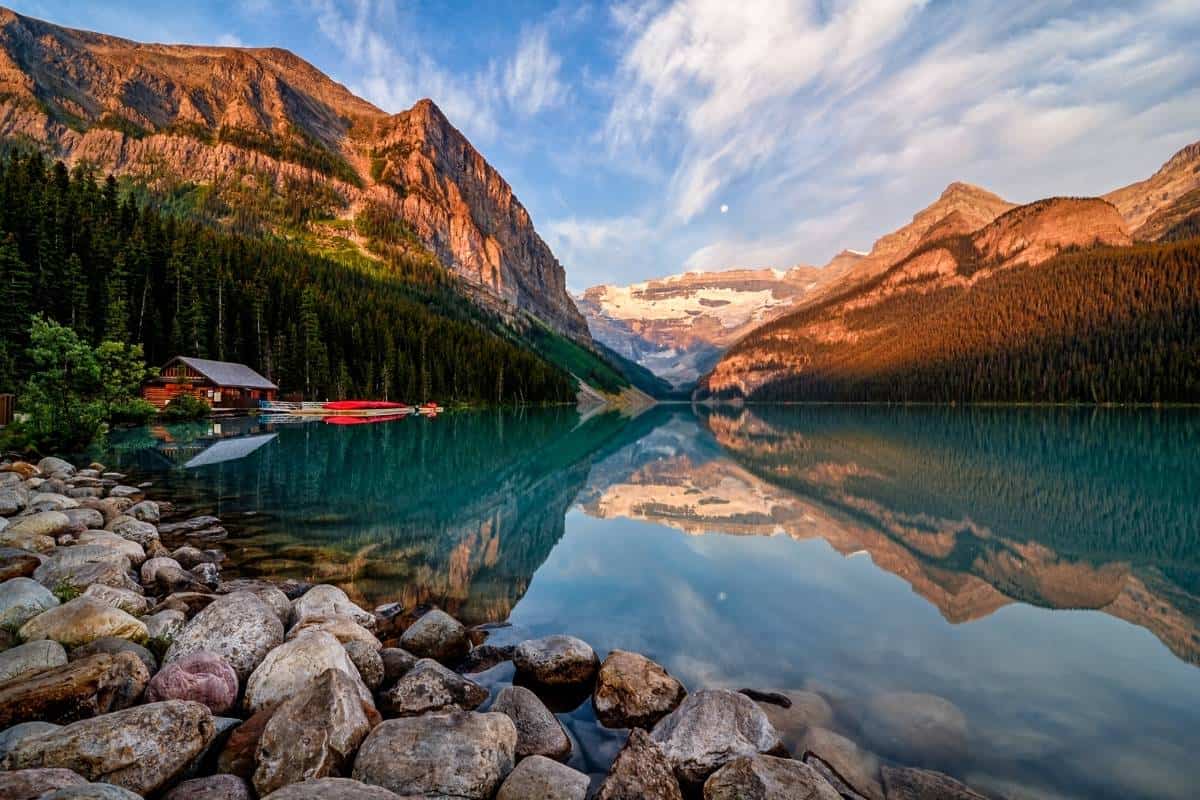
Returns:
(129, 667)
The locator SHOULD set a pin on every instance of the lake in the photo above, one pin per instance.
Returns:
(1022, 582)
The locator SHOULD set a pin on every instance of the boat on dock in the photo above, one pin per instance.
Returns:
(341, 409)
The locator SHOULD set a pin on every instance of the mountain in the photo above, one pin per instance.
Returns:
(678, 326)
(259, 138)
(1050, 302)
(1168, 197)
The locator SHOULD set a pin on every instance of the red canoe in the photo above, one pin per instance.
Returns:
(361, 405)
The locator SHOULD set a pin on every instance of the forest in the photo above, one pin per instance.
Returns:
(1104, 325)
(114, 266)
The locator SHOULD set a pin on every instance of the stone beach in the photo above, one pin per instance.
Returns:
(130, 668)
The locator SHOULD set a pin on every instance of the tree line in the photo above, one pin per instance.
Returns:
(112, 266)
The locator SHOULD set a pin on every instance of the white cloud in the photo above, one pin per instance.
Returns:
(531, 80)
(230, 40)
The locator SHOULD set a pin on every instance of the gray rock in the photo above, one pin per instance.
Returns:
(51, 465)
(313, 734)
(150, 568)
(640, 771)
(903, 783)
(486, 656)
(428, 687)
(634, 692)
(461, 755)
(65, 693)
(436, 635)
(22, 599)
(343, 628)
(264, 591)
(238, 627)
(188, 556)
(30, 657)
(31, 784)
(857, 768)
(396, 663)
(324, 600)
(85, 518)
(557, 660)
(915, 728)
(711, 728)
(132, 492)
(125, 599)
(287, 669)
(12, 500)
(52, 501)
(165, 624)
(135, 530)
(131, 550)
(207, 573)
(81, 621)
(367, 661)
(23, 730)
(113, 645)
(329, 788)
(212, 787)
(539, 733)
(146, 511)
(44, 523)
(540, 778)
(188, 526)
(16, 563)
(141, 749)
(767, 778)
(91, 791)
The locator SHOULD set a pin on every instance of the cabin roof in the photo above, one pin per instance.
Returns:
(225, 373)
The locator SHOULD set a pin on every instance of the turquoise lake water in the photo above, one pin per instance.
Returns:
(1035, 571)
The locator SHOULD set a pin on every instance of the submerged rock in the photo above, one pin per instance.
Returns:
(437, 635)
(915, 728)
(31, 657)
(857, 768)
(461, 755)
(313, 734)
(767, 778)
(80, 621)
(557, 660)
(293, 665)
(75, 690)
(634, 692)
(539, 733)
(429, 686)
(22, 599)
(711, 728)
(202, 676)
(641, 771)
(141, 749)
(238, 627)
(805, 709)
(540, 778)
(903, 783)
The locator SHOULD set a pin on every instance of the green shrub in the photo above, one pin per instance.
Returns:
(186, 406)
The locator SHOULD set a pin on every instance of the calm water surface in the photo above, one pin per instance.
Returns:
(1030, 576)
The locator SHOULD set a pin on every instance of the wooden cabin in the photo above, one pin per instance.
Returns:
(223, 384)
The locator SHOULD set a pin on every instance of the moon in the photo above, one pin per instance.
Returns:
(724, 209)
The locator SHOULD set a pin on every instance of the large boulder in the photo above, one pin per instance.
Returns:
(212, 787)
(10, 737)
(22, 599)
(313, 734)
(293, 665)
(634, 692)
(50, 465)
(149, 570)
(711, 728)
(43, 523)
(131, 550)
(833, 754)
(84, 688)
(113, 645)
(328, 788)
(30, 657)
(915, 728)
(272, 595)
(539, 733)
(557, 660)
(84, 519)
(436, 635)
(904, 783)
(429, 686)
(324, 600)
(238, 627)
(17, 563)
(80, 621)
(135, 530)
(767, 778)
(141, 749)
(31, 784)
(640, 771)
(125, 599)
(540, 778)
(461, 755)
(202, 676)
(344, 629)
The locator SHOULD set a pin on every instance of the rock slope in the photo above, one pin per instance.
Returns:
(262, 125)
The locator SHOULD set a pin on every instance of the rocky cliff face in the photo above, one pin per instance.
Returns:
(1144, 204)
(243, 120)
(678, 326)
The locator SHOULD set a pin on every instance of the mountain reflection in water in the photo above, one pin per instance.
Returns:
(863, 552)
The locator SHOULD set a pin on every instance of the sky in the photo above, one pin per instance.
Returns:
(651, 138)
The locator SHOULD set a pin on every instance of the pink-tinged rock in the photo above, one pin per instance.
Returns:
(214, 787)
(202, 676)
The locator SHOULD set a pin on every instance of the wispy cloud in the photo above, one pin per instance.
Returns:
(531, 79)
